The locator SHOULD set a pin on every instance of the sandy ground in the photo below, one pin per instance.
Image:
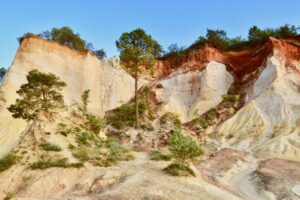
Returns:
(137, 179)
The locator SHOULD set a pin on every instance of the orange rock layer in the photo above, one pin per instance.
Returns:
(245, 65)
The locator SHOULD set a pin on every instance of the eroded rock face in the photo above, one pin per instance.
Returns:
(192, 93)
(268, 123)
(110, 85)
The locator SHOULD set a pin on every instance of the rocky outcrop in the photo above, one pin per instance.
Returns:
(192, 93)
(110, 85)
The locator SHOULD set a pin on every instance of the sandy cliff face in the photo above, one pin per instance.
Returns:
(267, 76)
(191, 93)
(110, 85)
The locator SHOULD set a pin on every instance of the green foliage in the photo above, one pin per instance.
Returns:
(137, 47)
(172, 118)
(87, 138)
(159, 155)
(179, 169)
(183, 148)
(174, 51)
(93, 123)
(66, 130)
(2, 72)
(203, 121)
(257, 35)
(85, 98)
(66, 36)
(231, 98)
(111, 154)
(40, 93)
(100, 54)
(50, 147)
(45, 163)
(9, 195)
(124, 116)
(7, 161)
(218, 38)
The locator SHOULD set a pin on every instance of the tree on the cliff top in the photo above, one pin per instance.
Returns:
(137, 49)
(41, 93)
(2, 72)
(66, 36)
(100, 54)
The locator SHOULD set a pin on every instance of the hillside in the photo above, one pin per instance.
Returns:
(242, 107)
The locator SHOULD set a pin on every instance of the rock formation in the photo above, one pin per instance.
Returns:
(243, 106)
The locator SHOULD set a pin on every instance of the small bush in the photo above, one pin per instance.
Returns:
(47, 163)
(203, 121)
(93, 123)
(124, 116)
(179, 169)
(212, 114)
(172, 118)
(229, 136)
(7, 161)
(231, 98)
(50, 147)
(54, 162)
(158, 155)
(87, 138)
(183, 148)
(9, 195)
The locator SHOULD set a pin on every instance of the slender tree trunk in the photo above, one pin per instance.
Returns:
(136, 98)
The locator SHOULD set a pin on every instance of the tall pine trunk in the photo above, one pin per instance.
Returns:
(136, 98)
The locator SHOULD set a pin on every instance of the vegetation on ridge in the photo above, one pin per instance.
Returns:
(66, 36)
(218, 38)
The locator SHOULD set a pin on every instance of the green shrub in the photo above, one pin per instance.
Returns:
(124, 116)
(47, 163)
(203, 121)
(229, 136)
(183, 148)
(54, 162)
(50, 147)
(7, 161)
(64, 129)
(171, 117)
(231, 98)
(84, 153)
(9, 195)
(93, 123)
(179, 169)
(87, 138)
(159, 155)
(212, 114)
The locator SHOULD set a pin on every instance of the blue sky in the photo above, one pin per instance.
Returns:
(168, 21)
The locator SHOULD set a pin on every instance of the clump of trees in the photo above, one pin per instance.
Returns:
(66, 36)
(218, 38)
(41, 93)
(137, 50)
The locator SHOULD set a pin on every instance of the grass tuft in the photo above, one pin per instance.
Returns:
(50, 147)
(7, 161)
(159, 155)
(179, 169)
